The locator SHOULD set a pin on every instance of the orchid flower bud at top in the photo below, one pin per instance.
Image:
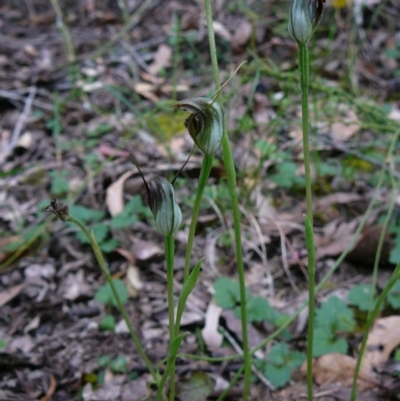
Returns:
(167, 213)
(304, 17)
(205, 124)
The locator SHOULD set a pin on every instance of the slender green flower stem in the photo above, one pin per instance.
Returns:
(169, 258)
(203, 177)
(231, 175)
(304, 84)
(103, 265)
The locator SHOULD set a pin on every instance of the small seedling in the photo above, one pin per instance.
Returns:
(108, 323)
(134, 211)
(116, 365)
(258, 309)
(360, 296)
(332, 319)
(280, 364)
(59, 182)
(105, 296)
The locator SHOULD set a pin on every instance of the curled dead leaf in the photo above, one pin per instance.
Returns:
(339, 368)
(382, 340)
(210, 334)
(115, 194)
(133, 281)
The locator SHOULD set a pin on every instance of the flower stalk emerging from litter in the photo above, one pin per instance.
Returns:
(304, 17)
(167, 218)
(231, 176)
(61, 210)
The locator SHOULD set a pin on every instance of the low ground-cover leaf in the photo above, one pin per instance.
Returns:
(109, 245)
(119, 364)
(108, 323)
(104, 294)
(280, 364)
(259, 309)
(227, 292)
(133, 211)
(326, 342)
(227, 296)
(332, 319)
(393, 297)
(59, 182)
(100, 230)
(360, 296)
(335, 314)
(85, 214)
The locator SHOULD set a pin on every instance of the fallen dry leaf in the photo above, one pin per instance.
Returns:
(162, 59)
(50, 390)
(345, 128)
(74, 286)
(382, 340)
(221, 31)
(339, 368)
(108, 151)
(342, 131)
(144, 251)
(133, 281)
(337, 236)
(337, 197)
(364, 251)
(10, 293)
(210, 334)
(115, 194)
(241, 36)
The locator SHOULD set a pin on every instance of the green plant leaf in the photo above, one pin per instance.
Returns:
(100, 130)
(196, 388)
(100, 230)
(335, 315)
(119, 364)
(188, 287)
(325, 342)
(103, 361)
(109, 245)
(104, 294)
(59, 182)
(394, 256)
(3, 344)
(393, 297)
(174, 346)
(227, 292)
(332, 319)
(85, 214)
(122, 220)
(360, 296)
(108, 323)
(266, 149)
(280, 364)
(286, 175)
(259, 309)
(130, 215)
